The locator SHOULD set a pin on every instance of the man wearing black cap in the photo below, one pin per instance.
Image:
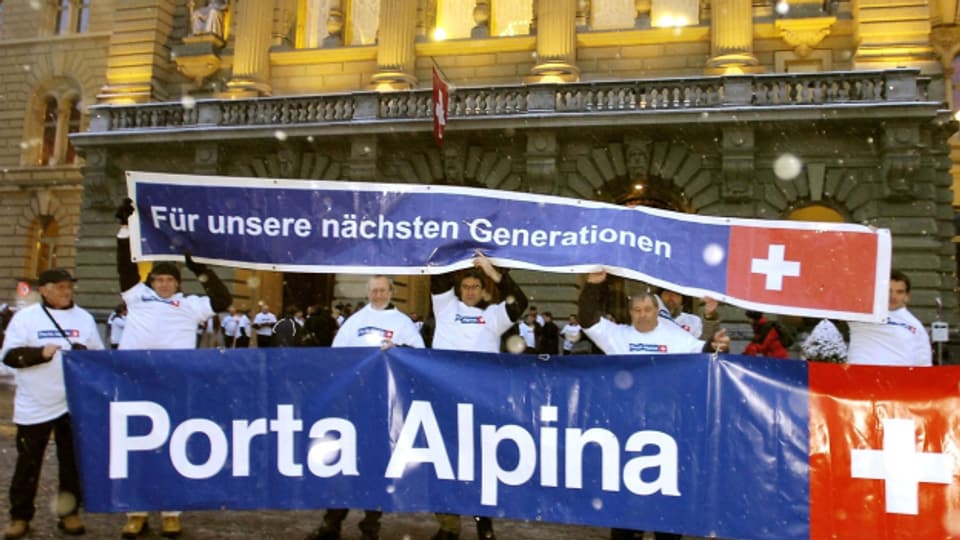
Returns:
(34, 339)
(159, 316)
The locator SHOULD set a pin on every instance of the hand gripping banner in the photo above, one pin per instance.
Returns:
(809, 269)
(736, 447)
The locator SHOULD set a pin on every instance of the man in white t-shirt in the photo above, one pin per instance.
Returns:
(647, 333)
(236, 329)
(673, 302)
(116, 322)
(901, 341)
(572, 332)
(263, 323)
(32, 347)
(159, 316)
(377, 324)
(466, 321)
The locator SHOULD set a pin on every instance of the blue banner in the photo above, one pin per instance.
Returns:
(684, 443)
(809, 269)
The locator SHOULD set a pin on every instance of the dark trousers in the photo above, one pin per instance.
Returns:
(31, 444)
(370, 523)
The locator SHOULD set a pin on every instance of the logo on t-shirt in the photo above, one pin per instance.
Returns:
(910, 328)
(48, 334)
(169, 302)
(373, 330)
(648, 348)
(470, 319)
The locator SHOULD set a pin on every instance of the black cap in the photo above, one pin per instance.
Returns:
(165, 268)
(54, 275)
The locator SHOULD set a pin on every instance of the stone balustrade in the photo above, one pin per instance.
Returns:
(620, 97)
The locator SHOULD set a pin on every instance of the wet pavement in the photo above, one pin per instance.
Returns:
(267, 525)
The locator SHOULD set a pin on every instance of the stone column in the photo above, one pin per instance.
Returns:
(396, 53)
(731, 37)
(251, 57)
(556, 42)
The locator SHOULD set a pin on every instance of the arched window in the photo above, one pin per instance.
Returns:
(44, 237)
(49, 131)
(816, 212)
(54, 115)
(73, 126)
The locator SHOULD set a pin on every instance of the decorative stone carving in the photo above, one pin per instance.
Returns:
(583, 15)
(638, 157)
(541, 159)
(737, 178)
(804, 34)
(334, 29)
(207, 19)
(481, 18)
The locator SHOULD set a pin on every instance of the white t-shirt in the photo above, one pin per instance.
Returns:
(268, 320)
(236, 326)
(902, 341)
(528, 333)
(41, 395)
(666, 338)
(369, 327)
(464, 328)
(117, 322)
(162, 323)
(689, 322)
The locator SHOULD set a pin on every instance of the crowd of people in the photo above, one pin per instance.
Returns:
(481, 309)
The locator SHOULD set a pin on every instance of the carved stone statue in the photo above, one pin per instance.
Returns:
(207, 19)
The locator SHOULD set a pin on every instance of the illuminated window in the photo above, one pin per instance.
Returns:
(673, 13)
(816, 212)
(73, 126)
(462, 19)
(45, 238)
(49, 130)
(335, 23)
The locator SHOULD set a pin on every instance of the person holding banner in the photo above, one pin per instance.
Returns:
(32, 347)
(159, 316)
(465, 321)
(644, 335)
(901, 341)
(378, 324)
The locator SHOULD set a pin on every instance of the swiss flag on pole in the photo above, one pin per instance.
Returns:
(441, 105)
(884, 452)
(808, 268)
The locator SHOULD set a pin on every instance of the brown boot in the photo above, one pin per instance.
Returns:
(171, 527)
(71, 525)
(17, 528)
(135, 526)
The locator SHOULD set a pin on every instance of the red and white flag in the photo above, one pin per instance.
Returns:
(441, 105)
(884, 452)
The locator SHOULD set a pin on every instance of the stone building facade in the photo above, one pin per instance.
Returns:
(690, 105)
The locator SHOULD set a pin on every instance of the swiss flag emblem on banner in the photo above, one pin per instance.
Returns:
(441, 105)
(808, 268)
(884, 452)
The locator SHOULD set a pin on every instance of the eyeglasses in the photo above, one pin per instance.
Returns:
(471, 287)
